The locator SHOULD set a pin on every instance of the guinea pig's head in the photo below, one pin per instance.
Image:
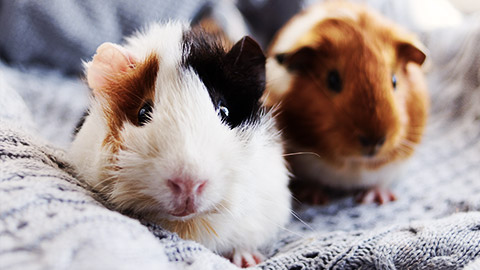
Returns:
(356, 91)
(182, 118)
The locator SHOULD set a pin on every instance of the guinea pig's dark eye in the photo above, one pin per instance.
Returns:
(394, 82)
(280, 58)
(334, 82)
(144, 114)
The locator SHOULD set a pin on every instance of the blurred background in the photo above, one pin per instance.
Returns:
(43, 42)
(467, 6)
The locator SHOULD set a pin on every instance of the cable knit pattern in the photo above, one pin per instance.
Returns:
(49, 220)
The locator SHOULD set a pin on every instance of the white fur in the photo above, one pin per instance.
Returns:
(245, 169)
(303, 23)
(83, 151)
(278, 81)
(350, 176)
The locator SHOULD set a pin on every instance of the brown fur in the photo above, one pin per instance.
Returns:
(366, 52)
(125, 93)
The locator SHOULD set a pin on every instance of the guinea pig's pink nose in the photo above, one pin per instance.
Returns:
(181, 186)
(186, 192)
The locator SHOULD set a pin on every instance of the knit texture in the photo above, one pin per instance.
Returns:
(50, 220)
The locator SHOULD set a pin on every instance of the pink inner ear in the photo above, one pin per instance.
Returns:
(110, 59)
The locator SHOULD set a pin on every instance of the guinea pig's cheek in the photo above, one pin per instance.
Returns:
(398, 137)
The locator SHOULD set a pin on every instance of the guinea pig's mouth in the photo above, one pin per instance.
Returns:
(155, 213)
(158, 216)
(185, 207)
(186, 215)
(181, 217)
(369, 161)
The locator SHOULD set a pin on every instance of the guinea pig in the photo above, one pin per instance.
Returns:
(351, 92)
(176, 135)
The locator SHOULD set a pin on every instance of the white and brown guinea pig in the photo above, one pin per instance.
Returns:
(351, 90)
(176, 135)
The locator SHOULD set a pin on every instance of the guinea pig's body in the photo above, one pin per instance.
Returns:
(176, 135)
(350, 90)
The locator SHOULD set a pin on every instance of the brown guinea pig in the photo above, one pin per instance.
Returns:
(350, 89)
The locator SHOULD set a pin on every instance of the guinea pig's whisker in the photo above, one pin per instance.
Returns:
(268, 219)
(296, 199)
(302, 153)
(208, 227)
(404, 150)
(408, 143)
(226, 210)
(302, 235)
(287, 230)
(102, 183)
(295, 215)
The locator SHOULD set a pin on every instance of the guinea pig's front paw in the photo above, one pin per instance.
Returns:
(242, 258)
(309, 193)
(378, 195)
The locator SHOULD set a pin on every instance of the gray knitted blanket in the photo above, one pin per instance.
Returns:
(50, 220)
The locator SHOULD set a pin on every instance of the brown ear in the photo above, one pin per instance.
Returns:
(110, 60)
(412, 51)
(299, 60)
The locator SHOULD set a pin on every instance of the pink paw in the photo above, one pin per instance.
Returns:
(378, 195)
(246, 259)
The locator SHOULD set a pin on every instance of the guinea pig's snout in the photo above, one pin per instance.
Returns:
(186, 187)
(371, 145)
(186, 192)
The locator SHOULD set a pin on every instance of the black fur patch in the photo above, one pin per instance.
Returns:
(235, 79)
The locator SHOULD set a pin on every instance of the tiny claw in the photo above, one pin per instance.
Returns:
(376, 195)
(246, 259)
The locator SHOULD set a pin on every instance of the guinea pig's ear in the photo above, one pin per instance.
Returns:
(412, 51)
(246, 58)
(299, 60)
(110, 60)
